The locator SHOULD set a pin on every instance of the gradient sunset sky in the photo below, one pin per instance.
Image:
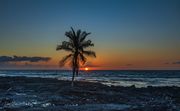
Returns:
(128, 34)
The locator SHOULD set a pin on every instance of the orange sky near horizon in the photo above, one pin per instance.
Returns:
(127, 35)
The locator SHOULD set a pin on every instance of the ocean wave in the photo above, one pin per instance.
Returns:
(117, 78)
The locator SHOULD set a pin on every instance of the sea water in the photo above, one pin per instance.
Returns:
(138, 78)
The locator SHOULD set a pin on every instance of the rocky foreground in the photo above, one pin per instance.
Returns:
(42, 94)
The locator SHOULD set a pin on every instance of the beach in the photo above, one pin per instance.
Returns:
(46, 94)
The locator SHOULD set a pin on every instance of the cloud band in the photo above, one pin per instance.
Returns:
(5, 59)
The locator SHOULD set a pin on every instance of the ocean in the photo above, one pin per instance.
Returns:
(138, 78)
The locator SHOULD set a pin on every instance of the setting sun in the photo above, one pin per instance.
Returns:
(86, 69)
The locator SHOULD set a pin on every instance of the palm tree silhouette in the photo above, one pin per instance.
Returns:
(76, 46)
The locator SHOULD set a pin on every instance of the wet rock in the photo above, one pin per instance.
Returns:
(11, 109)
(5, 86)
(42, 94)
(5, 101)
(133, 86)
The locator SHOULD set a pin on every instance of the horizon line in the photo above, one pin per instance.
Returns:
(95, 70)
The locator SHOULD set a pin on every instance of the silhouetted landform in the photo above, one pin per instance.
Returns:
(76, 46)
(5, 59)
(177, 62)
(42, 94)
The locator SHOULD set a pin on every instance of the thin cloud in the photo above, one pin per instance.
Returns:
(177, 62)
(128, 64)
(89, 64)
(166, 63)
(7, 59)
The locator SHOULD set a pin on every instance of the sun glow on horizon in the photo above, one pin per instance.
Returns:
(86, 69)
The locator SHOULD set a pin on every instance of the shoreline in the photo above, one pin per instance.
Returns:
(43, 94)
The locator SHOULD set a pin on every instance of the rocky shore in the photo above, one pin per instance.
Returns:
(45, 94)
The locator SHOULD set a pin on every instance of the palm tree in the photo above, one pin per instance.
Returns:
(75, 45)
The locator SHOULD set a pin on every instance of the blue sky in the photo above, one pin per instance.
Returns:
(139, 32)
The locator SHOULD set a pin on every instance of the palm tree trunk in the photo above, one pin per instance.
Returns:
(74, 68)
(77, 71)
(72, 83)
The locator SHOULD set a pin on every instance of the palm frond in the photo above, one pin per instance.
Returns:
(67, 46)
(89, 53)
(74, 34)
(65, 59)
(83, 36)
(82, 58)
(75, 45)
(78, 34)
(86, 44)
(69, 35)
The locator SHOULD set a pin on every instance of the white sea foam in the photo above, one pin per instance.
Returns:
(117, 78)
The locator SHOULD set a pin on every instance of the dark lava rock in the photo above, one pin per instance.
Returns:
(5, 101)
(4, 86)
